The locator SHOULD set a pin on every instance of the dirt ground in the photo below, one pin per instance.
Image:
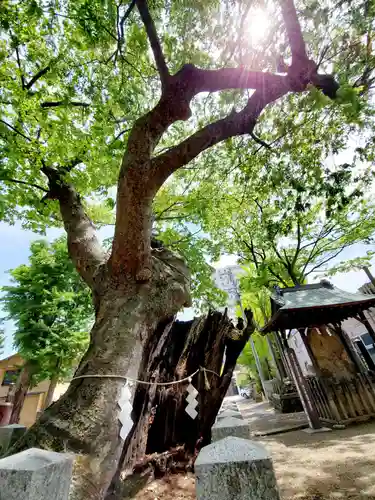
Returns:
(334, 465)
(328, 466)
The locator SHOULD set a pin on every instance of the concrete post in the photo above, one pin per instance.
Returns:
(230, 426)
(36, 475)
(235, 469)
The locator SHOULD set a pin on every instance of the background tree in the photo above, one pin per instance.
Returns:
(52, 311)
(79, 93)
(285, 232)
(2, 340)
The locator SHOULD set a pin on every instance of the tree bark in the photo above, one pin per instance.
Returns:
(85, 419)
(175, 351)
(51, 389)
(22, 386)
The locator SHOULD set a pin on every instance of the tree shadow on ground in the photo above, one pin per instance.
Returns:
(263, 418)
(336, 465)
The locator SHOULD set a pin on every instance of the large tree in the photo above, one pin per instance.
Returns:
(71, 108)
(51, 308)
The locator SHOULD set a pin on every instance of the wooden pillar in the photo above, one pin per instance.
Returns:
(303, 390)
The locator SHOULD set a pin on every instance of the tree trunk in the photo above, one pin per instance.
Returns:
(175, 351)
(22, 386)
(51, 389)
(85, 419)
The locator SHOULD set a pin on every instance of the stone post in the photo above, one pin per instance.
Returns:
(36, 475)
(229, 413)
(230, 426)
(9, 434)
(235, 469)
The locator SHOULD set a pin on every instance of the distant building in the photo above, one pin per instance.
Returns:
(34, 402)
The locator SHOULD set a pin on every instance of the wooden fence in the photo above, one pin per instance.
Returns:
(343, 401)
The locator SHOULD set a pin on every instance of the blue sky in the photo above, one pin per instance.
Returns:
(15, 243)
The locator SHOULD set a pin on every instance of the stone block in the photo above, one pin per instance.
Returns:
(230, 427)
(36, 475)
(9, 434)
(235, 469)
(229, 413)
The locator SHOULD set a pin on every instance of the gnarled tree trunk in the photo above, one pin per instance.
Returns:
(85, 419)
(176, 350)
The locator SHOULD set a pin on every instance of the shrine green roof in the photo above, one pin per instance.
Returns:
(314, 305)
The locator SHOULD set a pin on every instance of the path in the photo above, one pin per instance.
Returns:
(330, 466)
(264, 420)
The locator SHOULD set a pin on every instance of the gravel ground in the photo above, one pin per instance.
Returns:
(333, 465)
(328, 466)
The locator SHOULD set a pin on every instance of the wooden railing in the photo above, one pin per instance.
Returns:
(343, 401)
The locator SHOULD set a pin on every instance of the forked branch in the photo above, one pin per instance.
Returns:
(142, 174)
(233, 125)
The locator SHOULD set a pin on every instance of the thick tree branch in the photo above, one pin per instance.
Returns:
(154, 41)
(141, 175)
(83, 244)
(15, 130)
(233, 125)
(24, 183)
(36, 77)
(214, 80)
(55, 104)
(303, 70)
(293, 29)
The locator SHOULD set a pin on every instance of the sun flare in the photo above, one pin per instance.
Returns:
(258, 26)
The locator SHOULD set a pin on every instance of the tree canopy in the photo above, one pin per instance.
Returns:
(51, 308)
(76, 75)
(287, 231)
